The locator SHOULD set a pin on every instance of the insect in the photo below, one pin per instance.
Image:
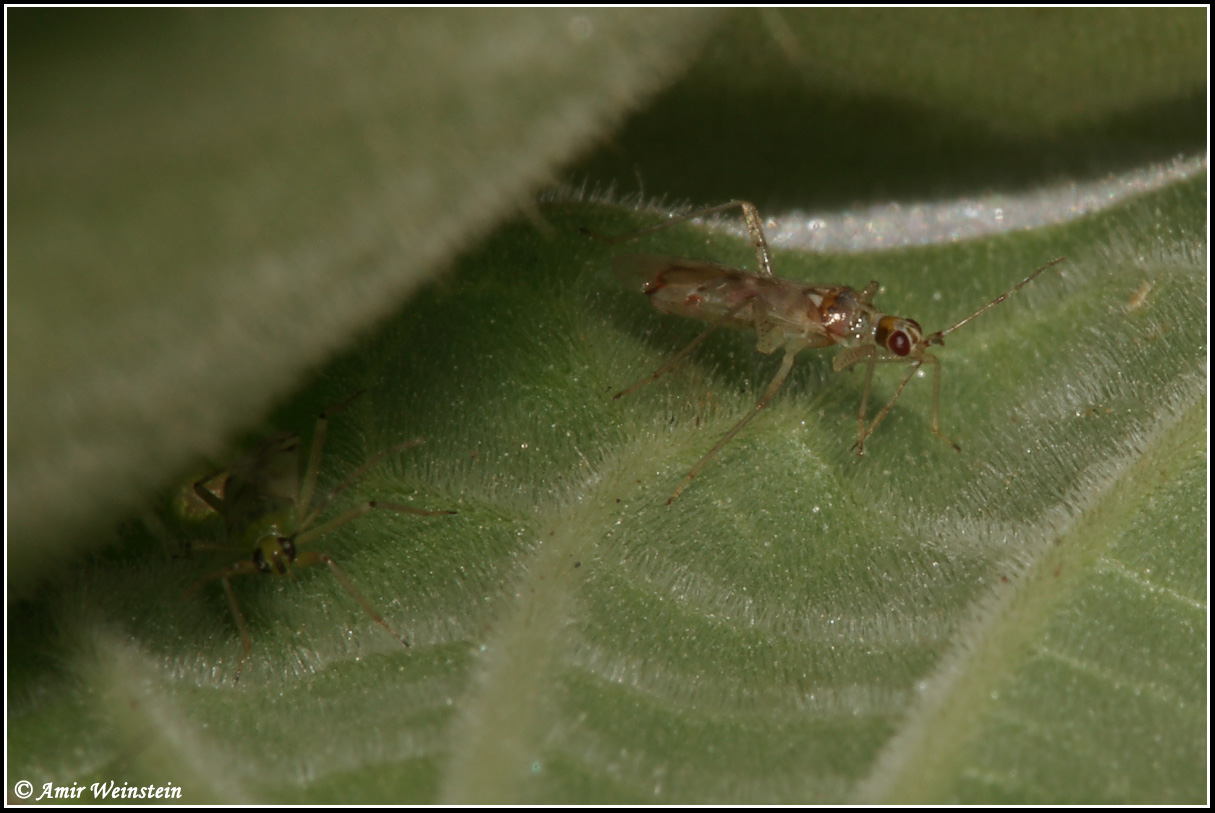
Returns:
(793, 315)
(266, 504)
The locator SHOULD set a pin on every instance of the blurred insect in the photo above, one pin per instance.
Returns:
(793, 315)
(1139, 297)
(265, 502)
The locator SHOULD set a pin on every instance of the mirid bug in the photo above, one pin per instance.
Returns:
(266, 506)
(794, 315)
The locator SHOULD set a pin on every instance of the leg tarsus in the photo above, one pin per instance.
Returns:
(936, 402)
(313, 557)
(240, 625)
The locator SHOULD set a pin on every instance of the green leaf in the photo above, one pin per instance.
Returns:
(206, 206)
(1022, 621)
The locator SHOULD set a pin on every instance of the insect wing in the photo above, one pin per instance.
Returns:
(692, 288)
(649, 272)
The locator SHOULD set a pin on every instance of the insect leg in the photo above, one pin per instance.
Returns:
(315, 557)
(314, 463)
(755, 229)
(355, 513)
(861, 434)
(849, 357)
(674, 360)
(869, 291)
(319, 435)
(224, 573)
(768, 394)
(240, 625)
(206, 495)
(911, 369)
(212, 547)
(310, 517)
(936, 400)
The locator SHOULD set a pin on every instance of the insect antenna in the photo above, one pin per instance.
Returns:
(939, 336)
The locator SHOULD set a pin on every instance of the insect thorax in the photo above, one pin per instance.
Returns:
(250, 521)
(845, 317)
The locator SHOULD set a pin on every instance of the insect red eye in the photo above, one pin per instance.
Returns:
(899, 344)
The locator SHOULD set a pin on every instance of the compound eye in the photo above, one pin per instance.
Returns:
(899, 343)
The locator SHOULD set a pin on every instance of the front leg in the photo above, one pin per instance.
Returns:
(868, 354)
